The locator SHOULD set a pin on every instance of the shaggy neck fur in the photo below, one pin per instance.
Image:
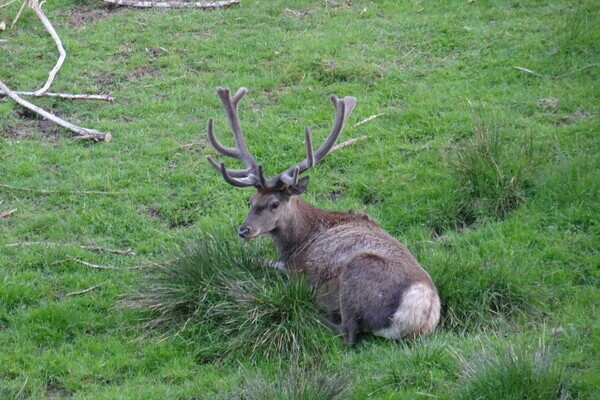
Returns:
(302, 223)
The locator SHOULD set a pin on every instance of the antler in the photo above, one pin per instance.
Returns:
(343, 108)
(252, 175)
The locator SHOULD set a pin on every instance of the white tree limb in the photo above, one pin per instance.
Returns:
(173, 4)
(16, 18)
(35, 6)
(84, 133)
(7, 4)
(102, 97)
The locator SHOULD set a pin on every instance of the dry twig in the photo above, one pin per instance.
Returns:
(173, 4)
(16, 18)
(45, 191)
(100, 266)
(557, 76)
(90, 264)
(368, 119)
(85, 247)
(7, 4)
(83, 291)
(348, 143)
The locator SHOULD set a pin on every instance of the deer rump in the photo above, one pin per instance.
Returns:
(367, 281)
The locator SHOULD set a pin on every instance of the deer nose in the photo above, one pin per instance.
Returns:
(243, 232)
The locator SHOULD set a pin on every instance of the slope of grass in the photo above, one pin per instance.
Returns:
(488, 173)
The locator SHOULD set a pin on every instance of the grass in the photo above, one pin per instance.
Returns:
(508, 373)
(488, 174)
(222, 291)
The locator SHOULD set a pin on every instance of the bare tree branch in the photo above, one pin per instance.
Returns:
(83, 291)
(84, 133)
(37, 8)
(7, 4)
(86, 247)
(173, 4)
(102, 97)
(16, 18)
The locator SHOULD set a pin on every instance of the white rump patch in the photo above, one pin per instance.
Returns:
(418, 313)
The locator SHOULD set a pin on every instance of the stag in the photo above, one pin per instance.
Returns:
(364, 278)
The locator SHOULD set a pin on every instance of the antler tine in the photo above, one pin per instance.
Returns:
(310, 156)
(343, 108)
(250, 176)
(230, 104)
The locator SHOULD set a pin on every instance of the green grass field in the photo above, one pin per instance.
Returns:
(488, 173)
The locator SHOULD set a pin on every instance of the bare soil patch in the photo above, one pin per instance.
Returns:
(83, 15)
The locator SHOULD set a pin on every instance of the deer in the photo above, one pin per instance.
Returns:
(364, 279)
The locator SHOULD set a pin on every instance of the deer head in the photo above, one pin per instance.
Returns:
(270, 207)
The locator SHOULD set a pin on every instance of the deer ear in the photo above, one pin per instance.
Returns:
(299, 187)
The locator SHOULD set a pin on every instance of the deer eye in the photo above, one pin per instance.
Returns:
(274, 205)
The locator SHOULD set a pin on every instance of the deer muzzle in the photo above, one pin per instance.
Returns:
(244, 232)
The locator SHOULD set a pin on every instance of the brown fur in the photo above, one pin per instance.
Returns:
(360, 271)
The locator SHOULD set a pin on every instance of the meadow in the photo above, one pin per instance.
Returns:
(483, 158)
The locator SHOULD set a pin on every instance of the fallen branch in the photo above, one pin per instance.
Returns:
(84, 133)
(69, 96)
(45, 191)
(83, 291)
(90, 264)
(530, 71)
(86, 247)
(173, 4)
(6, 214)
(100, 266)
(7, 4)
(62, 54)
(104, 249)
(16, 18)
(348, 143)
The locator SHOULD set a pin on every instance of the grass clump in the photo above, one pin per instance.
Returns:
(507, 373)
(483, 295)
(492, 175)
(297, 384)
(227, 296)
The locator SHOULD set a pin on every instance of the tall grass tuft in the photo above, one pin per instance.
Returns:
(232, 301)
(483, 295)
(297, 384)
(492, 174)
(506, 373)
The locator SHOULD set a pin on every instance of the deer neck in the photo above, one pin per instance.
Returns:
(301, 224)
